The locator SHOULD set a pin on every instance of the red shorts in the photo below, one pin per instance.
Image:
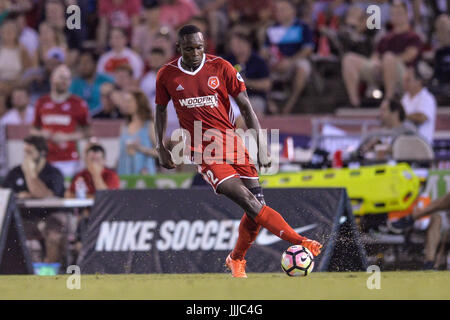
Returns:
(215, 174)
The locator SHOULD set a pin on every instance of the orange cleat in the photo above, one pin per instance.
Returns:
(237, 267)
(312, 246)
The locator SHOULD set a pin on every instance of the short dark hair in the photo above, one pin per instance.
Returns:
(96, 148)
(187, 29)
(91, 53)
(38, 142)
(396, 106)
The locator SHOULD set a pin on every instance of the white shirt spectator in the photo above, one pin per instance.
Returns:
(110, 60)
(29, 38)
(425, 103)
(13, 116)
(148, 86)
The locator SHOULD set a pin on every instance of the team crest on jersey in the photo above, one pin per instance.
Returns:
(213, 82)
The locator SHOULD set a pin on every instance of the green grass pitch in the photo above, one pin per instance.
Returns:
(258, 286)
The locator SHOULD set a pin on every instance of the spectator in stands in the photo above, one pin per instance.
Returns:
(108, 96)
(14, 59)
(147, 35)
(392, 118)
(441, 77)
(95, 177)
(120, 54)
(63, 119)
(253, 70)
(289, 45)
(88, 82)
(352, 35)
(123, 77)
(55, 17)
(398, 49)
(419, 104)
(438, 223)
(137, 140)
(216, 17)
(29, 38)
(122, 14)
(174, 13)
(156, 60)
(36, 178)
(22, 112)
(254, 12)
(50, 39)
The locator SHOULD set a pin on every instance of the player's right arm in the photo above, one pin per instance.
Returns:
(164, 155)
(161, 101)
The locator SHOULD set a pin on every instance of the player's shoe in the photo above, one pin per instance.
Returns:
(401, 225)
(312, 246)
(237, 267)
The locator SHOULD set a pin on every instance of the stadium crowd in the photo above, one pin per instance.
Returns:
(107, 70)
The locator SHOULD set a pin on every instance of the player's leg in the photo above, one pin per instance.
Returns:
(248, 228)
(264, 215)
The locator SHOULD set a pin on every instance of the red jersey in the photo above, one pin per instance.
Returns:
(61, 117)
(201, 95)
(110, 177)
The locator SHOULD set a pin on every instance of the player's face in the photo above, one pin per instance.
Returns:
(192, 48)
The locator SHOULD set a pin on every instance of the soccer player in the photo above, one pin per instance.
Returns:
(199, 85)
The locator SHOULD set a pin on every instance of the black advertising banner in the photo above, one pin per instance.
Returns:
(183, 231)
(14, 255)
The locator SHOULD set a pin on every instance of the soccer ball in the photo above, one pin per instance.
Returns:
(297, 261)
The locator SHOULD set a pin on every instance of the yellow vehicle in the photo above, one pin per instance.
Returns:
(371, 189)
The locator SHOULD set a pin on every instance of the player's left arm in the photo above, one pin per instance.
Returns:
(252, 122)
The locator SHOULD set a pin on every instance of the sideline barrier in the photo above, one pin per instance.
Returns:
(185, 231)
(372, 189)
(14, 255)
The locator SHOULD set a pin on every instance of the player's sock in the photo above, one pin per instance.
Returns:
(248, 230)
(274, 222)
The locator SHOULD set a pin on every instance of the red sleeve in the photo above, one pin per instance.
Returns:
(233, 80)
(37, 116)
(112, 180)
(162, 95)
(83, 115)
